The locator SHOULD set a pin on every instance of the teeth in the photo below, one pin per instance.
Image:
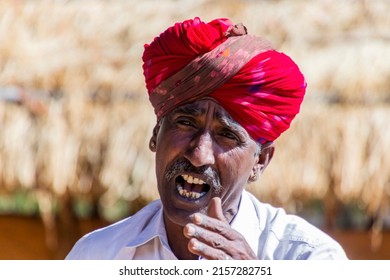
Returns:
(185, 193)
(191, 180)
(180, 189)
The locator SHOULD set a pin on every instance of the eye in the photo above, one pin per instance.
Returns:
(184, 121)
(230, 135)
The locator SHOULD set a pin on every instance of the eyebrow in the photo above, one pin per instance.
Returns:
(229, 122)
(195, 110)
(189, 109)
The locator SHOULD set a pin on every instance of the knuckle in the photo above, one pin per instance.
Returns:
(218, 243)
(240, 238)
(199, 232)
(233, 235)
(220, 228)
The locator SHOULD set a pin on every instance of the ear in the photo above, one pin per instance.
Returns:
(264, 158)
(153, 138)
(266, 154)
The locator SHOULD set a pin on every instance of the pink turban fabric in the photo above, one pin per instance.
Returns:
(261, 88)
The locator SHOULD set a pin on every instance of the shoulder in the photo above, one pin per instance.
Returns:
(286, 236)
(106, 242)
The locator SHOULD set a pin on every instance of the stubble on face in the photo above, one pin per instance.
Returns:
(182, 165)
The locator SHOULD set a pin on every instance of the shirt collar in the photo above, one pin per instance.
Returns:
(153, 228)
(246, 222)
(149, 232)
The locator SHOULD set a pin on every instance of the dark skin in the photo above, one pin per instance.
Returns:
(201, 141)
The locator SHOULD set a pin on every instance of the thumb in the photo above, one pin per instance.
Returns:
(215, 209)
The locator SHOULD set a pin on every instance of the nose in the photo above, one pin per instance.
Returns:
(201, 151)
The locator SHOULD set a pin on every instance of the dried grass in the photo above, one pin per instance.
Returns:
(84, 57)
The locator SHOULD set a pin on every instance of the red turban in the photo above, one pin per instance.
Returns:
(262, 89)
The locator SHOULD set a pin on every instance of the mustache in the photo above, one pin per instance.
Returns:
(182, 165)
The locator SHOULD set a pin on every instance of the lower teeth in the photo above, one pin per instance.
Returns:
(188, 194)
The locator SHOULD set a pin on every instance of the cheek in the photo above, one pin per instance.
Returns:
(169, 147)
(172, 140)
(237, 168)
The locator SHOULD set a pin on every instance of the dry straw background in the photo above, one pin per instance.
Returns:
(75, 119)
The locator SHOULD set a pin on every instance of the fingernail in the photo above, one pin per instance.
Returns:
(194, 244)
(197, 219)
(190, 230)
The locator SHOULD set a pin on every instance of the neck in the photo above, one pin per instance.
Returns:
(177, 241)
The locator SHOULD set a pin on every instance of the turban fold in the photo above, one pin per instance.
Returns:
(261, 88)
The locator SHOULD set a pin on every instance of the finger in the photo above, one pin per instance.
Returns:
(206, 241)
(217, 245)
(215, 209)
(204, 250)
(214, 246)
(213, 239)
(215, 220)
(213, 224)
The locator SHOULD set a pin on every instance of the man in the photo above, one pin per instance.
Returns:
(221, 98)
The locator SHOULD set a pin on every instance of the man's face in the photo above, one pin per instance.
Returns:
(201, 152)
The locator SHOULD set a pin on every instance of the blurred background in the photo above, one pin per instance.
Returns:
(75, 119)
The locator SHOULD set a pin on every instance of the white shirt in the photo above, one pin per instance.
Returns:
(271, 233)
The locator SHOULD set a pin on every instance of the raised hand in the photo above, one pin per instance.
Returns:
(211, 236)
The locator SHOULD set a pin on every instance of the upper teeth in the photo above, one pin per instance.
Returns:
(191, 180)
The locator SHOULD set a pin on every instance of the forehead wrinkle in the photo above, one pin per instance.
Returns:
(190, 109)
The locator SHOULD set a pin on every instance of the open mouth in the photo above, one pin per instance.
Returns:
(191, 187)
